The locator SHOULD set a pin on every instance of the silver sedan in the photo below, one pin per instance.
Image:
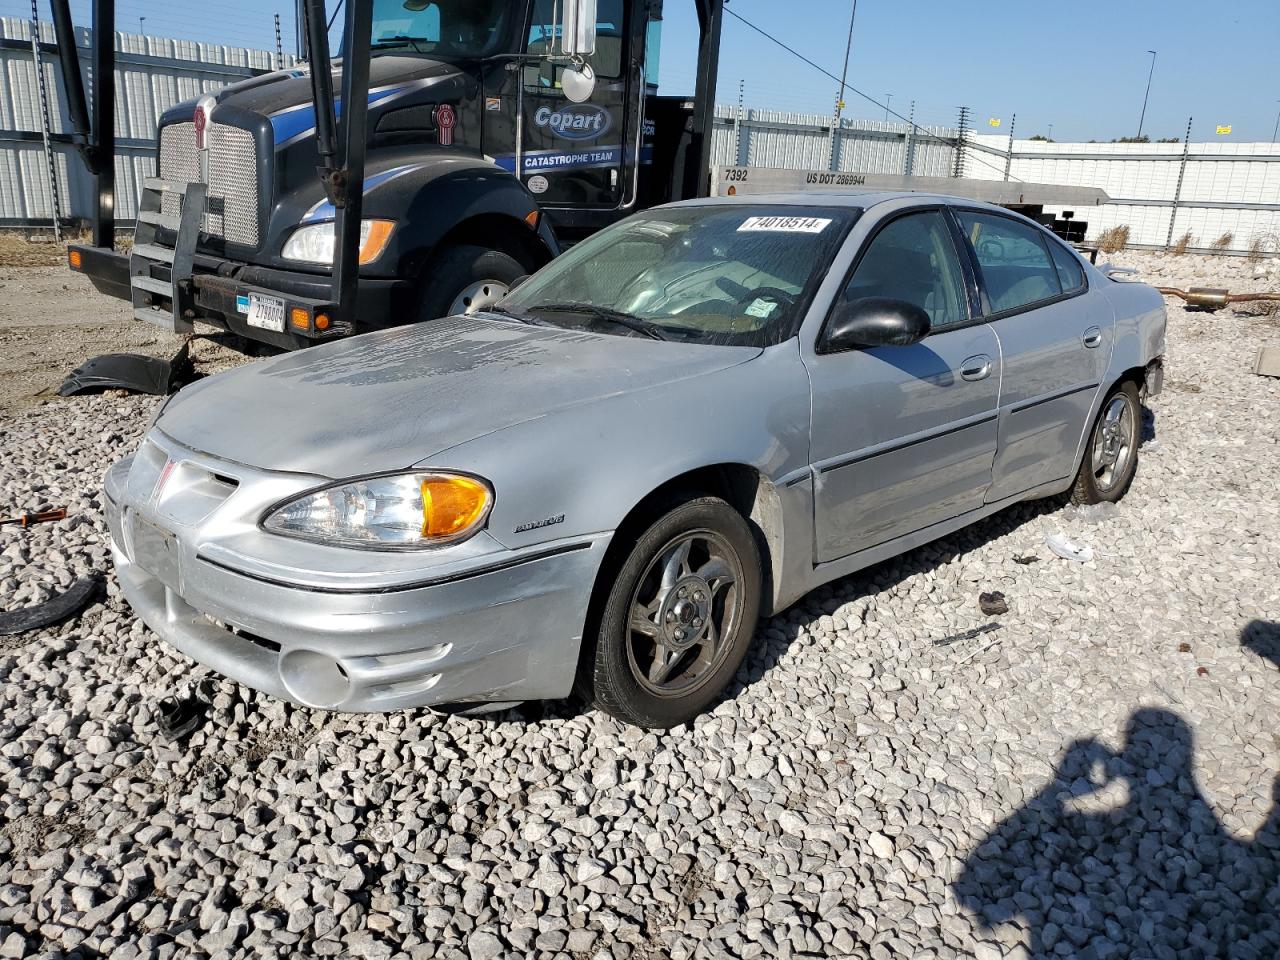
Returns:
(686, 422)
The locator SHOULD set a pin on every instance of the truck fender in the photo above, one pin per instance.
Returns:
(462, 198)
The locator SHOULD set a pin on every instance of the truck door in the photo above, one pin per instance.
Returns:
(577, 154)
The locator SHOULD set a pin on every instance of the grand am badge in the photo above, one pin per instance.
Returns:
(446, 120)
(538, 524)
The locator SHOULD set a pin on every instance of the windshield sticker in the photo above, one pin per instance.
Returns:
(762, 309)
(784, 225)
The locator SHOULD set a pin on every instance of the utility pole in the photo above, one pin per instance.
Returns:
(45, 123)
(962, 136)
(279, 46)
(844, 76)
(1150, 73)
(1008, 156)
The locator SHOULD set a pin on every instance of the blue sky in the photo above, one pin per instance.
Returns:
(1080, 66)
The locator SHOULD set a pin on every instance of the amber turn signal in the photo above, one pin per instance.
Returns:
(452, 504)
(300, 318)
(75, 259)
(376, 241)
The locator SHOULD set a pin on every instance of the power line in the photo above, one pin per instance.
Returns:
(868, 98)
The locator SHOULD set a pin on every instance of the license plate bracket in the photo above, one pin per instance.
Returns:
(266, 313)
(156, 551)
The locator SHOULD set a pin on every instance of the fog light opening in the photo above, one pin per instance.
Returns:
(314, 679)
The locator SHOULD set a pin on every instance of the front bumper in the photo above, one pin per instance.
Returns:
(221, 288)
(370, 634)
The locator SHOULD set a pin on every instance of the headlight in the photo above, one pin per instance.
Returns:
(315, 243)
(399, 512)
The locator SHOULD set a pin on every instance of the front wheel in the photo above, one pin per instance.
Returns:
(678, 618)
(1111, 457)
(466, 278)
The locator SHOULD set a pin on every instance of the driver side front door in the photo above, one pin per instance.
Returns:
(904, 437)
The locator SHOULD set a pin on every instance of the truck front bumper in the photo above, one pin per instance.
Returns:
(222, 288)
(370, 634)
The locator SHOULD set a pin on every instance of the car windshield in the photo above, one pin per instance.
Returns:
(723, 274)
(440, 28)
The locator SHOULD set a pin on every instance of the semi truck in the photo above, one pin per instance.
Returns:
(453, 147)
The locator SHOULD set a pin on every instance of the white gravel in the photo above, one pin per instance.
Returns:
(1092, 774)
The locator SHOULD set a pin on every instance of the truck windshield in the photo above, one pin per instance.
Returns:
(737, 274)
(442, 28)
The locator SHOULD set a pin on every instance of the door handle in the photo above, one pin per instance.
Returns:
(1092, 337)
(976, 368)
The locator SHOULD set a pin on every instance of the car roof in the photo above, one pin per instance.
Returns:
(845, 199)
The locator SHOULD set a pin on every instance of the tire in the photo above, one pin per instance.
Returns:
(454, 269)
(1114, 434)
(621, 669)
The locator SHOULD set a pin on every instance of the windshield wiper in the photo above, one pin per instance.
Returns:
(400, 41)
(630, 321)
(521, 317)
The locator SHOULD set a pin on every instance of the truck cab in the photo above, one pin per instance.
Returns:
(493, 134)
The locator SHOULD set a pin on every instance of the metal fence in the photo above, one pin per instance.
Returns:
(1160, 191)
(152, 74)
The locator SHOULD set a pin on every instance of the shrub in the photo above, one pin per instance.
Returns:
(1183, 243)
(1223, 241)
(1114, 239)
(1261, 246)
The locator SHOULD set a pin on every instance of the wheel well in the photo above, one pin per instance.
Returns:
(499, 232)
(738, 484)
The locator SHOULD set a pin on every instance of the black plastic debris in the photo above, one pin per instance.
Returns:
(967, 635)
(993, 604)
(132, 372)
(1027, 560)
(74, 599)
(179, 717)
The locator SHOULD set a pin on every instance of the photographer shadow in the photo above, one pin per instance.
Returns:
(1121, 856)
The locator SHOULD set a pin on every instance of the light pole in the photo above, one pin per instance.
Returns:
(1276, 128)
(1051, 131)
(844, 75)
(888, 99)
(1150, 73)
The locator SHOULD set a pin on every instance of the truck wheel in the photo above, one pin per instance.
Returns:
(1111, 457)
(466, 278)
(678, 617)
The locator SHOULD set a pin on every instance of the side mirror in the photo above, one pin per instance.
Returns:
(578, 32)
(876, 322)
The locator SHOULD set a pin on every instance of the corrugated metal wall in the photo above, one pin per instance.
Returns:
(152, 74)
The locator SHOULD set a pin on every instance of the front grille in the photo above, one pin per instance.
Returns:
(233, 201)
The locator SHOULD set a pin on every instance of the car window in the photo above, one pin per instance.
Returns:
(1015, 266)
(544, 32)
(1070, 273)
(913, 258)
(740, 274)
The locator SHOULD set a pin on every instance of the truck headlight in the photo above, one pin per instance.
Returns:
(402, 511)
(315, 243)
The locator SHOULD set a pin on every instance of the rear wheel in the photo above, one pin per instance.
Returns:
(466, 278)
(678, 618)
(1111, 457)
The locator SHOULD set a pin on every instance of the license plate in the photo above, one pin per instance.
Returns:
(266, 312)
(156, 551)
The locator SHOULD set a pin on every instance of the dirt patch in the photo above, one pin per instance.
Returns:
(52, 320)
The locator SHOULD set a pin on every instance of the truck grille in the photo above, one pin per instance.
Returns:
(233, 203)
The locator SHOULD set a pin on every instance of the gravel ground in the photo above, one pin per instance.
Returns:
(1092, 774)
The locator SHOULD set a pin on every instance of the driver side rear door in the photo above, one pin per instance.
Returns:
(904, 437)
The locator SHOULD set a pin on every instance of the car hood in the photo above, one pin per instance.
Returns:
(387, 400)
